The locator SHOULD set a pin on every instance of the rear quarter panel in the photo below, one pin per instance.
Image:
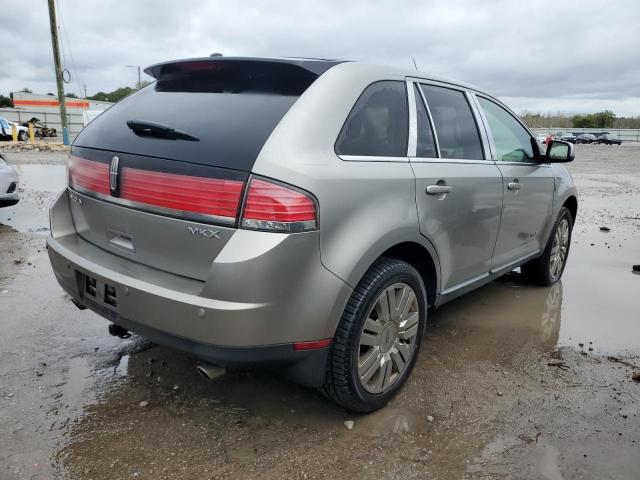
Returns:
(364, 207)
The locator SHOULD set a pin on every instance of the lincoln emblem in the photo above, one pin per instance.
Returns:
(113, 174)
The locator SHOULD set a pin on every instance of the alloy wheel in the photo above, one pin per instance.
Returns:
(559, 250)
(388, 338)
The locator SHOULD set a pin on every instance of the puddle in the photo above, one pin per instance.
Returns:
(601, 296)
(76, 392)
(39, 184)
(42, 178)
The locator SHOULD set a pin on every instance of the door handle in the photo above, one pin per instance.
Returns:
(439, 189)
(514, 186)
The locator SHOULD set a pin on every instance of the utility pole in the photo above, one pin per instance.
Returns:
(58, 65)
(139, 84)
(85, 91)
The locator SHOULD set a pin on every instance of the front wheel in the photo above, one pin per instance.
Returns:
(378, 338)
(547, 269)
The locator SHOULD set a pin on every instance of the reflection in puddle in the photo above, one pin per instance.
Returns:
(505, 316)
(601, 298)
(75, 391)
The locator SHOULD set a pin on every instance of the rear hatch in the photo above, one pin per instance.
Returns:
(160, 177)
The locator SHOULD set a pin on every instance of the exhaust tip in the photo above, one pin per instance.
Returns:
(210, 372)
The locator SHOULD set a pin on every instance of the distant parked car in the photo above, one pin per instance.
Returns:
(609, 139)
(542, 138)
(8, 184)
(6, 130)
(566, 137)
(586, 138)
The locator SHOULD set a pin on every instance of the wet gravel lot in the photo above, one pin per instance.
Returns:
(513, 381)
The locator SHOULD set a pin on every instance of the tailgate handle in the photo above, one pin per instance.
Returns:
(121, 240)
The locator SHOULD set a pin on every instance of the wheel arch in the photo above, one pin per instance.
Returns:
(420, 258)
(416, 250)
(571, 203)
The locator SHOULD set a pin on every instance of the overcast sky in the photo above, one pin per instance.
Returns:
(549, 56)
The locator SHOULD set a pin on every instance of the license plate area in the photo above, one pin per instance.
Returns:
(98, 292)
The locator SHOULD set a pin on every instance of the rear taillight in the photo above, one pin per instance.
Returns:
(89, 175)
(182, 193)
(276, 208)
(268, 206)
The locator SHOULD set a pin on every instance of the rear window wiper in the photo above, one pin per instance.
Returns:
(154, 129)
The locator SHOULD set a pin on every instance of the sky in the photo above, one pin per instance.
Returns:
(540, 56)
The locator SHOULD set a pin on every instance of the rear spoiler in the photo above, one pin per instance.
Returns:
(315, 66)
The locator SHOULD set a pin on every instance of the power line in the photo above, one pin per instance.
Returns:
(78, 82)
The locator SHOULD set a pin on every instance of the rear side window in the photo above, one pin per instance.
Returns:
(458, 135)
(378, 124)
(426, 146)
(513, 143)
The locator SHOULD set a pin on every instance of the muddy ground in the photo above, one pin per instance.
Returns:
(513, 381)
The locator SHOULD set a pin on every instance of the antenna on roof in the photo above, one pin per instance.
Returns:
(414, 63)
(216, 54)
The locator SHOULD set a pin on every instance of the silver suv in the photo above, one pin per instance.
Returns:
(304, 214)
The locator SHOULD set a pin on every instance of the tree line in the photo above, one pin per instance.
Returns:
(604, 119)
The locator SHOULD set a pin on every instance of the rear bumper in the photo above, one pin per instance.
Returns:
(251, 311)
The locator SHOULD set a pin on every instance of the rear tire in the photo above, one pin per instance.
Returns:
(376, 345)
(548, 268)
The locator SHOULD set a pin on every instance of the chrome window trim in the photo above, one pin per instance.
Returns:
(450, 86)
(525, 164)
(412, 144)
(376, 158)
(450, 160)
(432, 125)
(481, 118)
(372, 158)
(153, 209)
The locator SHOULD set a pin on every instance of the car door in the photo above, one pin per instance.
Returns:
(458, 188)
(528, 186)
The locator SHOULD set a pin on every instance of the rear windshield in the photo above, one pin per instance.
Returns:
(230, 107)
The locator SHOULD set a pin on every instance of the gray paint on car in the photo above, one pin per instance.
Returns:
(251, 288)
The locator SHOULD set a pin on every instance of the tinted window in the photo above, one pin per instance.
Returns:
(4, 123)
(378, 124)
(513, 143)
(231, 106)
(426, 146)
(458, 135)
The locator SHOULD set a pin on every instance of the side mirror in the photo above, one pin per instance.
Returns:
(558, 151)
